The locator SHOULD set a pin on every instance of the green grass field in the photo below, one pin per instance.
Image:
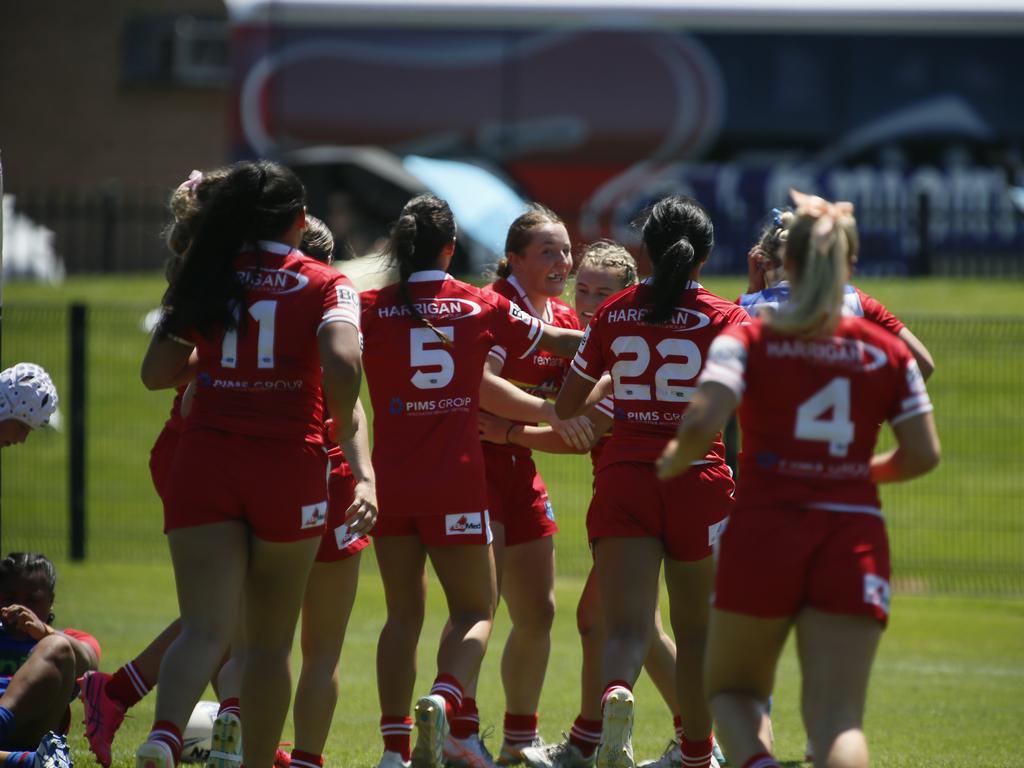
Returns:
(946, 690)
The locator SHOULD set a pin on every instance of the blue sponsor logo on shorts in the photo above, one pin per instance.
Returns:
(548, 510)
(396, 406)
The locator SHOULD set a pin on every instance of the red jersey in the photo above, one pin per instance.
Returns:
(875, 311)
(175, 421)
(266, 380)
(811, 410)
(540, 373)
(426, 393)
(654, 368)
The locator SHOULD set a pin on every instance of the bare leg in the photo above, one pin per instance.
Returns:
(590, 624)
(528, 588)
(275, 583)
(147, 663)
(689, 592)
(326, 607)
(660, 665)
(466, 574)
(38, 693)
(209, 569)
(836, 654)
(627, 573)
(401, 560)
(739, 673)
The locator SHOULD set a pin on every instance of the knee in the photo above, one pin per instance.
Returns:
(539, 618)
(59, 654)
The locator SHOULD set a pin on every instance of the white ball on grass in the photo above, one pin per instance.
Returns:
(199, 733)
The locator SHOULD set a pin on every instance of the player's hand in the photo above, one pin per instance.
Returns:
(755, 270)
(493, 429)
(670, 463)
(329, 429)
(362, 512)
(341, 431)
(18, 618)
(577, 432)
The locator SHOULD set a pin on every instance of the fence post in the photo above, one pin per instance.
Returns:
(77, 333)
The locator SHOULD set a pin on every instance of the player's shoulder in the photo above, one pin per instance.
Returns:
(721, 307)
(563, 314)
(502, 287)
(865, 330)
(487, 296)
(314, 269)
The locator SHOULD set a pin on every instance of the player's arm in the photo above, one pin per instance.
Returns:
(342, 367)
(495, 429)
(705, 417)
(917, 451)
(572, 397)
(919, 351)
(169, 362)
(559, 341)
(362, 513)
(503, 398)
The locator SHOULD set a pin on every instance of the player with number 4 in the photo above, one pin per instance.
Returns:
(806, 545)
(652, 339)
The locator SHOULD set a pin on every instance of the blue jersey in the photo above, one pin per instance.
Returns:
(773, 297)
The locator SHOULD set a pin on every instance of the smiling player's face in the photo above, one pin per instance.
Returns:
(543, 266)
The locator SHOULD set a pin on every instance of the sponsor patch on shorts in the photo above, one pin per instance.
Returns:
(715, 531)
(466, 524)
(876, 591)
(343, 537)
(314, 515)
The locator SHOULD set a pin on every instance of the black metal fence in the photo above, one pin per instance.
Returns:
(960, 529)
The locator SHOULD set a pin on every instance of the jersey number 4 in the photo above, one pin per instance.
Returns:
(813, 421)
(435, 367)
(263, 312)
(684, 367)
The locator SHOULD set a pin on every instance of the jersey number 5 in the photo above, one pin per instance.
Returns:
(836, 430)
(438, 361)
(263, 312)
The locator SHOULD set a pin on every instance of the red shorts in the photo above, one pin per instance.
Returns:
(161, 457)
(517, 497)
(687, 513)
(277, 487)
(775, 560)
(443, 530)
(337, 543)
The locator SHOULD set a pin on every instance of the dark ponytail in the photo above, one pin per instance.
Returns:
(424, 229)
(25, 565)
(255, 201)
(678, 235)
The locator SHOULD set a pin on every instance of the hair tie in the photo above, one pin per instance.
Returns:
(192, 181)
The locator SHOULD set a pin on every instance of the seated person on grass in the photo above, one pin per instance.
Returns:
(38, 666)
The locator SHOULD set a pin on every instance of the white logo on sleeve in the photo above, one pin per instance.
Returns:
(314, 515)
(466, 524)
(876, 591)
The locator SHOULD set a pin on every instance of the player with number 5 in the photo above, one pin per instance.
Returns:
(806, 545)
(260, 327)
(426, 341)
(653, 339)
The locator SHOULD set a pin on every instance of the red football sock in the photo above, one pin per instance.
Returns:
(696, 754)
(677, 725)
(306, 759)
(231, 707)
(611, 686)
(467, 721)
(762, 760)
(520, 729)
(450, 689)
(169, 734)
(128, 686)
(585, 735)
(397, 733)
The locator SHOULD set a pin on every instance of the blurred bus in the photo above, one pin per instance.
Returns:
(911, 110)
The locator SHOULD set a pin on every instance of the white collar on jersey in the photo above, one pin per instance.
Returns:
(429, 276)
(691, 285)
(272, 246)
(547, 315)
